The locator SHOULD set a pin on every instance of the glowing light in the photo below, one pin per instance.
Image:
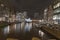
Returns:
(2, 5)
(57, 5)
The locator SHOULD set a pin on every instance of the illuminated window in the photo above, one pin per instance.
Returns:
(57, 5)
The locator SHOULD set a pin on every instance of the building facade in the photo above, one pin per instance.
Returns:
(56, 16)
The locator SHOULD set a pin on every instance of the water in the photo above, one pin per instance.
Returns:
(17, 28)
(25, 27)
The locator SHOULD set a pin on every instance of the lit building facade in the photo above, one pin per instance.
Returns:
(48, 15)
(56, 16)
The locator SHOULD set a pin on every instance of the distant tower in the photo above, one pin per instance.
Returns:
(50, 14)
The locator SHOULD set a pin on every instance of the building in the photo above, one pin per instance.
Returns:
(48, 15)
(56, 16)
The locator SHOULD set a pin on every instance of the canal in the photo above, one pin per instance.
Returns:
(22, 31)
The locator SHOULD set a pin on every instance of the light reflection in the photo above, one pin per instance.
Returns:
(15, 26)
(28, 27)
(28, 24)
(41, 33)
(6, 30)
(18, 27)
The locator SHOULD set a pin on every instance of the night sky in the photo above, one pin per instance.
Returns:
(30, 4)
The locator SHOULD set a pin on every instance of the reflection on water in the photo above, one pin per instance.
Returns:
(28, 27)
(6, 30)
(17, 28)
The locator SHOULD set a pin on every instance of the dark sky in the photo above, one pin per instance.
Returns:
(30, 4)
